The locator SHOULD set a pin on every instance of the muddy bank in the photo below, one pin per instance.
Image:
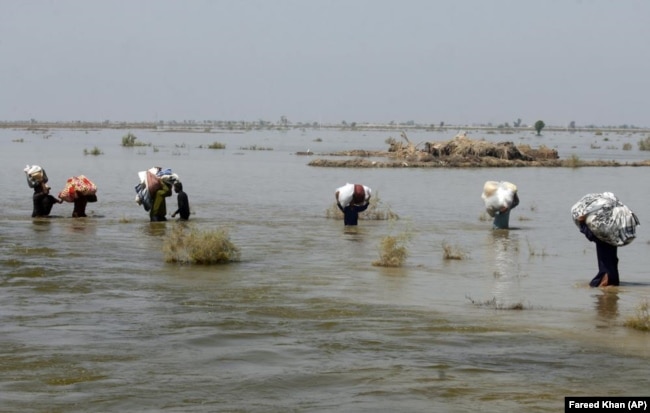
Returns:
(459, 152)
(453, 162)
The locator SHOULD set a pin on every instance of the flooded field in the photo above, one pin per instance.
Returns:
(94, 320)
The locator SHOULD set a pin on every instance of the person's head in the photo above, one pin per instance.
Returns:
(359, 195)
(178, 186)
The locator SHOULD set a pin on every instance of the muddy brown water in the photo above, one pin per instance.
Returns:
(94, 320)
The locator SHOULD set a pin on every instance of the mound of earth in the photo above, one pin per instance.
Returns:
(460, 151)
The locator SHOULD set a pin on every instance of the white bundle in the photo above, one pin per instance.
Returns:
(345, 194)
(498, 195)
(35, 175)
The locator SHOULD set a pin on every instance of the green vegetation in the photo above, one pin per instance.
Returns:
(539, 125)
(94, 151)
(193, 246)
(640, 321)
(393, 250)
(130, 140)
(627, 146)
(644, 144)
(217, 145)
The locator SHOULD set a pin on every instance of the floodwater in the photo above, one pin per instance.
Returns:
(94, 320)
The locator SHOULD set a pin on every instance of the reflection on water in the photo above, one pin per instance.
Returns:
(505, 254)
(93, 319)
(607, 303)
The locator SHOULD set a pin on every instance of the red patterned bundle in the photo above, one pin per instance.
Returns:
(77, 184)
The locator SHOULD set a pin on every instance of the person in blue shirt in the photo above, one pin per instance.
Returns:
(502, 218)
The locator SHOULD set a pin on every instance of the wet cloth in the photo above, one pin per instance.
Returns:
(501, 220)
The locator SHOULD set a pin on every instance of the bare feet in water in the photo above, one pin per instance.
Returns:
(604, 281)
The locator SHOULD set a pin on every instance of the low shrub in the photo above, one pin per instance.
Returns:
(644, 144)
(193, 246)
(393, 250)
(641, 320)
(453, 252)
(217, 145)
(94, 151)
(130, 140)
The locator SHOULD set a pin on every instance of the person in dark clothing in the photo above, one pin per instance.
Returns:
(183, 202)
(351, 212)
(43, 201)
(80, 202)
(607, 256)
(159, 207)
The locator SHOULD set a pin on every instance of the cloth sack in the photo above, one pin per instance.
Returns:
(78, 184)
(35, 175)
(353, 193)
(497, 195)
(607, 217)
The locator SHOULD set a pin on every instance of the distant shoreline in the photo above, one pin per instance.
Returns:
(229, 126)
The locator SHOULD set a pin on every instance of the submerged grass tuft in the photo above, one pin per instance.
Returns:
(393, 250)
(217, 145)
(493, 303)
(130, 140)
(94, 151)
(453, 252)
(641, 320)
(644, 144)
(194, 246)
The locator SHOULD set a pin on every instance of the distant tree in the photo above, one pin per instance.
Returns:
(517, 123)
(572, 124)
(442, 124)
(539, 125)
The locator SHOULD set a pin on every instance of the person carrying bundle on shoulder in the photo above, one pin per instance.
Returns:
(604, 220)
(352, 199)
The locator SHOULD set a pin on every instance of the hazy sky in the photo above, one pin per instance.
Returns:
(461, 62)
